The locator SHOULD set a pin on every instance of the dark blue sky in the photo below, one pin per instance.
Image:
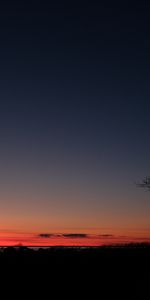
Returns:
(74, 112)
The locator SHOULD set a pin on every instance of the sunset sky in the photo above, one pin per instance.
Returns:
(74, 122)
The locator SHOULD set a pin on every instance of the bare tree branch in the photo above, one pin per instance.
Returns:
(145, 183)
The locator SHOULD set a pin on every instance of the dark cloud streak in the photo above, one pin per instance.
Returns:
(74, 235)
(65, 235)
(46, 235)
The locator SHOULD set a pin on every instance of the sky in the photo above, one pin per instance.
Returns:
(74, 122)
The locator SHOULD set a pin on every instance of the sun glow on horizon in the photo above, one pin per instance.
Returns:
(68, 239)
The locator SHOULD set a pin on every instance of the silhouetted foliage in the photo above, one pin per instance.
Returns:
(145, 183)
(119, 271)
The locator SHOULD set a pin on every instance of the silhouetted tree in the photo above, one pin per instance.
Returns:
(145, 183)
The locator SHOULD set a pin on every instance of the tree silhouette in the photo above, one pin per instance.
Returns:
(145, 183)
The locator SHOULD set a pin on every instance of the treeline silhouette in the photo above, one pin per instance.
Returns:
(134, 256)
(120, 271)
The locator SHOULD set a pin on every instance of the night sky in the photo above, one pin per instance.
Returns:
(74, 121)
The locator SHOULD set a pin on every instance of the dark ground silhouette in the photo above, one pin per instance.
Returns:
(120, 272)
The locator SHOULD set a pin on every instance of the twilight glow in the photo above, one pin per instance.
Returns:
(74, 126)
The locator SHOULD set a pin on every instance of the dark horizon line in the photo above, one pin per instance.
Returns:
(82, 246)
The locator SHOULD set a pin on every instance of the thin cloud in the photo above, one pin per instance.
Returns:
(76, 235)
(64, 235)
(105, 235)
(46, 235)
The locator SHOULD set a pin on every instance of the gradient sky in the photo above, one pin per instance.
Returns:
(74, 121)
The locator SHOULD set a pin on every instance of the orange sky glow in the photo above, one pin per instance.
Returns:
(69, 239)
